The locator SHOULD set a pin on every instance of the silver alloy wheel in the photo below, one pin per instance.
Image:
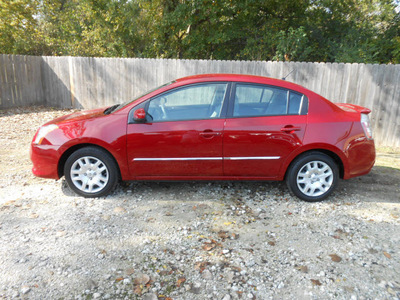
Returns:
(89, 174)
(314, 178)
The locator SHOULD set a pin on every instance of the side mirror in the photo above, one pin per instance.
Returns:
(139, 115)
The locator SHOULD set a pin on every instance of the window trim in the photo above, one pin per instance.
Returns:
(302, 111)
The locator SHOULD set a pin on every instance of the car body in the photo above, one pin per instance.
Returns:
(210, 127)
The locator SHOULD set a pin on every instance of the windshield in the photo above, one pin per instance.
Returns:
(119, 106)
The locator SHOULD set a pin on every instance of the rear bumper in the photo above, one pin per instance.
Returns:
(361, 158)
(45, 160)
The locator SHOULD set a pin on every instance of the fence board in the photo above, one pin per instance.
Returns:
(3, 77)
(16, 67)
(6, 87)
(9, 84)
(390, 126)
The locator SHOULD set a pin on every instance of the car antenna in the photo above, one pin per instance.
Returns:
(284, 78)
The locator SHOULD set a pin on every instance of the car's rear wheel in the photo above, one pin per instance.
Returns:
(313, 177)
(91, 172)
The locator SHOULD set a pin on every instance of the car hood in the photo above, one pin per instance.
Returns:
(78, 116)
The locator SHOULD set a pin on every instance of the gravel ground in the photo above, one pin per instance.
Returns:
(192, 240)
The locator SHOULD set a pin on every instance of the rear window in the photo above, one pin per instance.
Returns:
(262, 100)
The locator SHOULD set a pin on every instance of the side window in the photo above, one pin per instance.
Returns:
(261, 100)
(295, 101)
(189, 103)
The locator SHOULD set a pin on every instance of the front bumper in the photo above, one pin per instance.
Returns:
(45, 160)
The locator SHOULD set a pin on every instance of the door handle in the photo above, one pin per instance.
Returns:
(290, 128)
(208, 134)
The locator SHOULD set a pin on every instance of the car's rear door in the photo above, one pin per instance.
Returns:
(183, 134)
(264, 125)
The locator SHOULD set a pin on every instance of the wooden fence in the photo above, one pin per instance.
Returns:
(86, 82)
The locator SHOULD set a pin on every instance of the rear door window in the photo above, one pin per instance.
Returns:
(262, 100)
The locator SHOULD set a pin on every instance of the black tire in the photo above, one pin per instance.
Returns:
(91, 172)
(312, 177)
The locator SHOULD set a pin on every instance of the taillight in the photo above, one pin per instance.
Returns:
(366, 125)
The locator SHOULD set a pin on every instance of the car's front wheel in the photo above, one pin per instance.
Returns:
(91, 172)
(312, 177)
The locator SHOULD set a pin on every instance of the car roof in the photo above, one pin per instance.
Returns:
(240, 78)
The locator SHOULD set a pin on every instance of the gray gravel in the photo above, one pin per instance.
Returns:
(192, 240)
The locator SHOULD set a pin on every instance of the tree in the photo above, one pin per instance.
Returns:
(18, 26)
(292, 45)
(88, 27)
(349, 30)
(297, 30)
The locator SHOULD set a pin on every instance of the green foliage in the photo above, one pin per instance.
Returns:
(295, 30)
(292, 45)
(17, 26)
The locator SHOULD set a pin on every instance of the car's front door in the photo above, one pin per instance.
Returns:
(182, 136)
(265, 124)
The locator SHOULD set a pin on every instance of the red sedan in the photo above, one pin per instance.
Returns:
(210, 127)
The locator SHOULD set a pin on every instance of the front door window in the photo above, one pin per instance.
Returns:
(197, 102)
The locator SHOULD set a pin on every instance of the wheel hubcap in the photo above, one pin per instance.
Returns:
(89, 174)
(315, 178)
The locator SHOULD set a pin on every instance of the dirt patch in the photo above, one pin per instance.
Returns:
(192, 240)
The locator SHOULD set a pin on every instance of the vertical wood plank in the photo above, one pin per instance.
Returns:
(3, 87)
(10, 81)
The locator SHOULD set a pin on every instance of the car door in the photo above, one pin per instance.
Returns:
(264, 125)
(182, 135)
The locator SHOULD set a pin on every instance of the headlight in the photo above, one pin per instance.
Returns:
(43, 131)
